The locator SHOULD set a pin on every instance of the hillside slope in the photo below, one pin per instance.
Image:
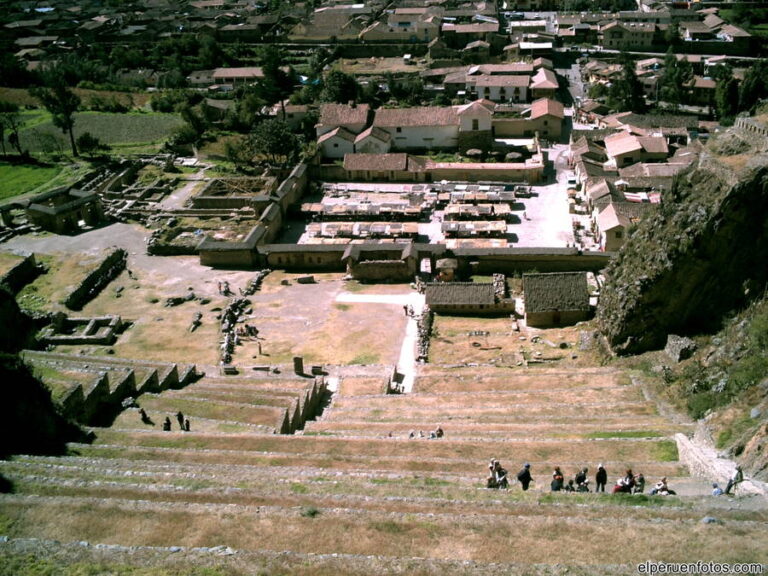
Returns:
(700, 259)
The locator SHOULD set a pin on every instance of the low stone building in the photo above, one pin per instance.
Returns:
(556, 299)
(466, 298)
(63, 210)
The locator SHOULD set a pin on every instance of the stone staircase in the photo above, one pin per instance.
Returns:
(343, 496)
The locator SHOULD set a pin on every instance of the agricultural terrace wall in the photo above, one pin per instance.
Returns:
(112, 265)
(21, 274)
(381, 270)
(380, 50)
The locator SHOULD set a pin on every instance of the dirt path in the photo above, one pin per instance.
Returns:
(406, 364)
(698, 453)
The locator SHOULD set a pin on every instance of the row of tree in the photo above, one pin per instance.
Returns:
(731, 95)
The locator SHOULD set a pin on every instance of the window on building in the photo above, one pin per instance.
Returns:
(475, 124)
(398, 129)
(619, 234)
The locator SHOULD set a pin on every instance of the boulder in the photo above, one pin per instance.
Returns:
(679, 348)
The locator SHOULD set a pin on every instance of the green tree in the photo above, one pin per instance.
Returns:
(90, 145)
(239, 152)
(754, 87)
(677, 76)
(210, 55)
(11, 121)
(339, 87)
(726, 99)
(672, 34)
(279, 82)
(275, 141)
(60, 101)
(626, 93)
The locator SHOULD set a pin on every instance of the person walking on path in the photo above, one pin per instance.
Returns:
(180, 418)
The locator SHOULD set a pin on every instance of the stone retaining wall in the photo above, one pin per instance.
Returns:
(112, 265)
(20, 275)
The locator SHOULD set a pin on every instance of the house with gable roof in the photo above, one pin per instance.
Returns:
(337, 143)
(373, 140)
(352, 117)
(427, 127)
(624, 148)
(544, 116)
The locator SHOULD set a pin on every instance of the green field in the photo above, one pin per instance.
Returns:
(20, 179)
(117, 130)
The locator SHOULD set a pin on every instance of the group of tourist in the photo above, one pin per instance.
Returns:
(629, 483)
(434, 434)
(183, 421)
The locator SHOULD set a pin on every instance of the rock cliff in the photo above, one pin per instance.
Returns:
(702, 257)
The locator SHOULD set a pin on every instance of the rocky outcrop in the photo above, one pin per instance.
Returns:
(702, 257)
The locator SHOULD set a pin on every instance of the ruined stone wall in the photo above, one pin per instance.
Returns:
(21, 274)
(112, 265)
(311, 260)
(293, 187)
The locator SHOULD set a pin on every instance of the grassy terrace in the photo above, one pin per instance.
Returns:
(504, 538)
(352, 482)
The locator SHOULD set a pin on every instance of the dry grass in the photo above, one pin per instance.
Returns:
(362, 386)
(8, 260)
(467, 453)
(65, 272)
(504, 346)
(303, 320)
(381, 65)
(504, 539)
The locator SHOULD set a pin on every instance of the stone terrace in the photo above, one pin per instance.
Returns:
(345, 486)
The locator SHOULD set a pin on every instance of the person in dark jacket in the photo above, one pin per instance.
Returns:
(601, 478)
(524, 476)
(557, 480)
